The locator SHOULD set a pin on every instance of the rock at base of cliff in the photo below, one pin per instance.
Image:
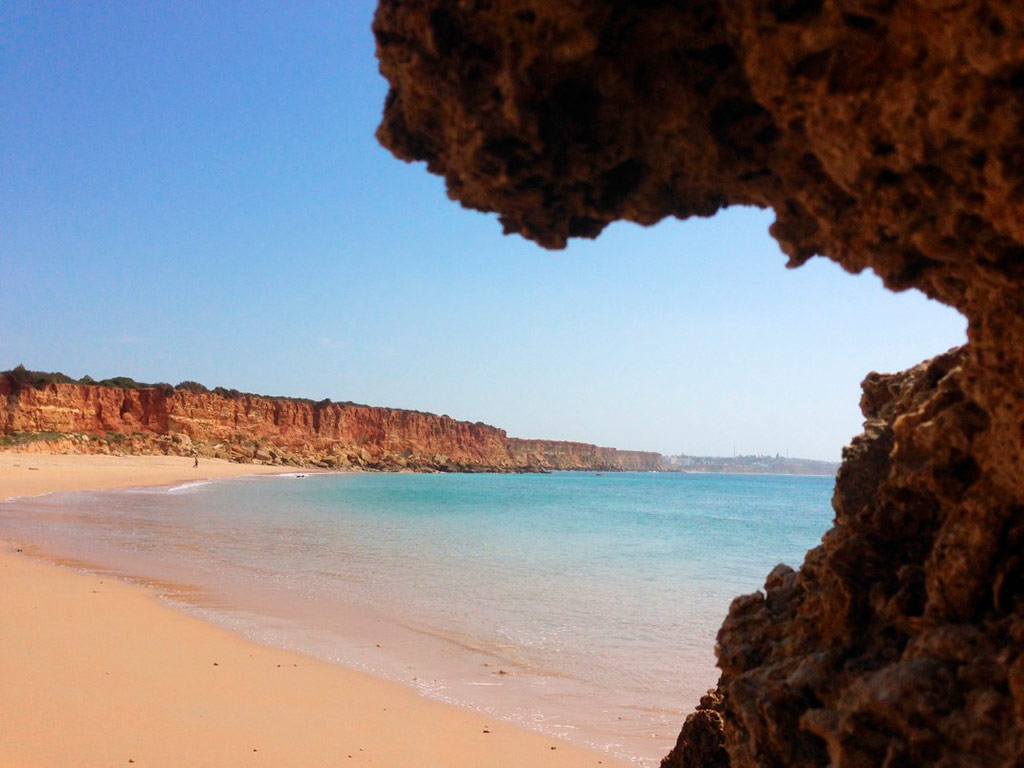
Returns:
(701, 743)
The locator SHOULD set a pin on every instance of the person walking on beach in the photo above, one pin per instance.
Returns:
(196, 465)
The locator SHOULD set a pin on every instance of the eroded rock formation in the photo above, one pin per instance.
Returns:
(283, 431)
(885, 135)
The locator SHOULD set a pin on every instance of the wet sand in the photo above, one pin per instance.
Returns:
(96, 671)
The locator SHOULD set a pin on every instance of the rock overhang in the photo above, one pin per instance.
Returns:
(886, 136)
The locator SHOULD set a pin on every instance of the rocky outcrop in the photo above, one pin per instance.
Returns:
(899, 641)
(702, 740)
(884, 135)
(281, 431)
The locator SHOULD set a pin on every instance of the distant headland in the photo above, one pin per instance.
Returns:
(749, 465)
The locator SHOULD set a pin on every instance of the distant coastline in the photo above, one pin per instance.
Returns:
(750, 465)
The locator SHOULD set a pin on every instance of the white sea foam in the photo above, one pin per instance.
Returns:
(192, 485)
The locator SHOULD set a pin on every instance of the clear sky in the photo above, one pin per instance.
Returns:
(193, 191)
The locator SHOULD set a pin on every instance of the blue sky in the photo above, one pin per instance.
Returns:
(194, 192)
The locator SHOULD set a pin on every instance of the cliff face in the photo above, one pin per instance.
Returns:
(884, 135)
(565, 455)
(286, 431)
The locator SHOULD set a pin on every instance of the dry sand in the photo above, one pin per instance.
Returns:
(29, 474)
(97, 672)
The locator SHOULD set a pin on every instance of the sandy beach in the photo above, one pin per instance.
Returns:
(95, 671)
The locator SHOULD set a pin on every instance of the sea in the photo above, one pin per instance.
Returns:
(579, 604)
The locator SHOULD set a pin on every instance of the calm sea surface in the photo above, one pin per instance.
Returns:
(578, 604)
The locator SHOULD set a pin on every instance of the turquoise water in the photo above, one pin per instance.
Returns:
(583, 605)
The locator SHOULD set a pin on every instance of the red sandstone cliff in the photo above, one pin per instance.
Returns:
(248, 427)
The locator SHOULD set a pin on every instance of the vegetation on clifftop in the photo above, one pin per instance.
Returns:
(21, 378)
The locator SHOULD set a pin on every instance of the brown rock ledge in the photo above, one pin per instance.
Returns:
(885, 135)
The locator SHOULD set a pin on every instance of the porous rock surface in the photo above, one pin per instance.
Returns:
(885, 135)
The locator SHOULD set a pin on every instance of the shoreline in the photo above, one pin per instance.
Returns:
(103, 672)
(35, 474)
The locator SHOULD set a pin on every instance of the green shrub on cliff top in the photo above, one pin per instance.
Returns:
(192, 386)
(122, 382)
(20, 377)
